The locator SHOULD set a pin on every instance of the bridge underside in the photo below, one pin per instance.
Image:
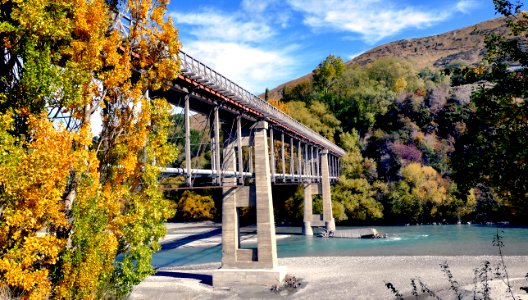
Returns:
(243, 162)
(248, 150)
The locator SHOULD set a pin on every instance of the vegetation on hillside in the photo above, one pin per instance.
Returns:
(419, 148)
(417, 152)
(71, 204)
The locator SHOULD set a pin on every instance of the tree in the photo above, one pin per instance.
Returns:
(316, 116)
(421, 195)
(69, 206)
(354, 196)
(395, 74)
(195, 207)
(357, 100)
(327, 73)
(494, 150)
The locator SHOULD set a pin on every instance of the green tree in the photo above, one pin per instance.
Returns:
(358, 100)
(327, 73)
(395, 74)
(354, 197)
(494, 149)
(316, 116)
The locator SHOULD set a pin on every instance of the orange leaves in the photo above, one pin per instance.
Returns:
(33, 178)
(87, 198)
(280, 105)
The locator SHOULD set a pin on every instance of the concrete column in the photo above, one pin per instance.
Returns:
(306, 164)
(250, 158)
(327, 199)
(230, 227)
(249, 266)
(312, 163)
(213, 146)
(266, 244)
(308, 210)
(317, 163)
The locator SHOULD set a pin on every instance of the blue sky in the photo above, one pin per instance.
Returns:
(263, 43)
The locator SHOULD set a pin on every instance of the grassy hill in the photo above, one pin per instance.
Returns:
(462, 45)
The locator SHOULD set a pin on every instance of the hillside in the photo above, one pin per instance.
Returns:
(461, 45)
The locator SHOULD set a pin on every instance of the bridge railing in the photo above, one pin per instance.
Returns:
(198, 71)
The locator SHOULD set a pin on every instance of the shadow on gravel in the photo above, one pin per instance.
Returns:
(189, 239)
(205, 279)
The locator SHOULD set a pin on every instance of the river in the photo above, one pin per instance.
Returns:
(434, 240)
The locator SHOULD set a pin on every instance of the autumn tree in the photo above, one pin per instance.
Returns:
(422, 195)
(69, 202)
(195, 207)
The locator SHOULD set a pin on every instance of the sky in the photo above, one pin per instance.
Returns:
(260, 44)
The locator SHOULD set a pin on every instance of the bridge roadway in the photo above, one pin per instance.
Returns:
(253, 145)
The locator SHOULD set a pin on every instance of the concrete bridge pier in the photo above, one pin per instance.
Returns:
(249, 265)
(328, 217)
(308, 210)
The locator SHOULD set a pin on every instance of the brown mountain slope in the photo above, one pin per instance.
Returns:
(461, 45)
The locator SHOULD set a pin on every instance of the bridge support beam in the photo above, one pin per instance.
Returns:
(328, 217)
(250, 266)
(308, 209)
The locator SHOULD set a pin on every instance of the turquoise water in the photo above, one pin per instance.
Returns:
(446, 240)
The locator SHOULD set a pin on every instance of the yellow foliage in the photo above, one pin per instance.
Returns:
(33, 175)
(87, 201)
(280, 105)
(426, 183)
(400, 85)
(192, 206)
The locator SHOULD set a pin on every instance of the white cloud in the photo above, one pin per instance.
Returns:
(465, 6)
(256, 6)
(212, 25)
(238, 45)
(250, 67)
(372, 19)
(354, 55)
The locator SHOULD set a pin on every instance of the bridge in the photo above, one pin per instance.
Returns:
(252, 145)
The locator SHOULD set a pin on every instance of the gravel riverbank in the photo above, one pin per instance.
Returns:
(339, 278)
